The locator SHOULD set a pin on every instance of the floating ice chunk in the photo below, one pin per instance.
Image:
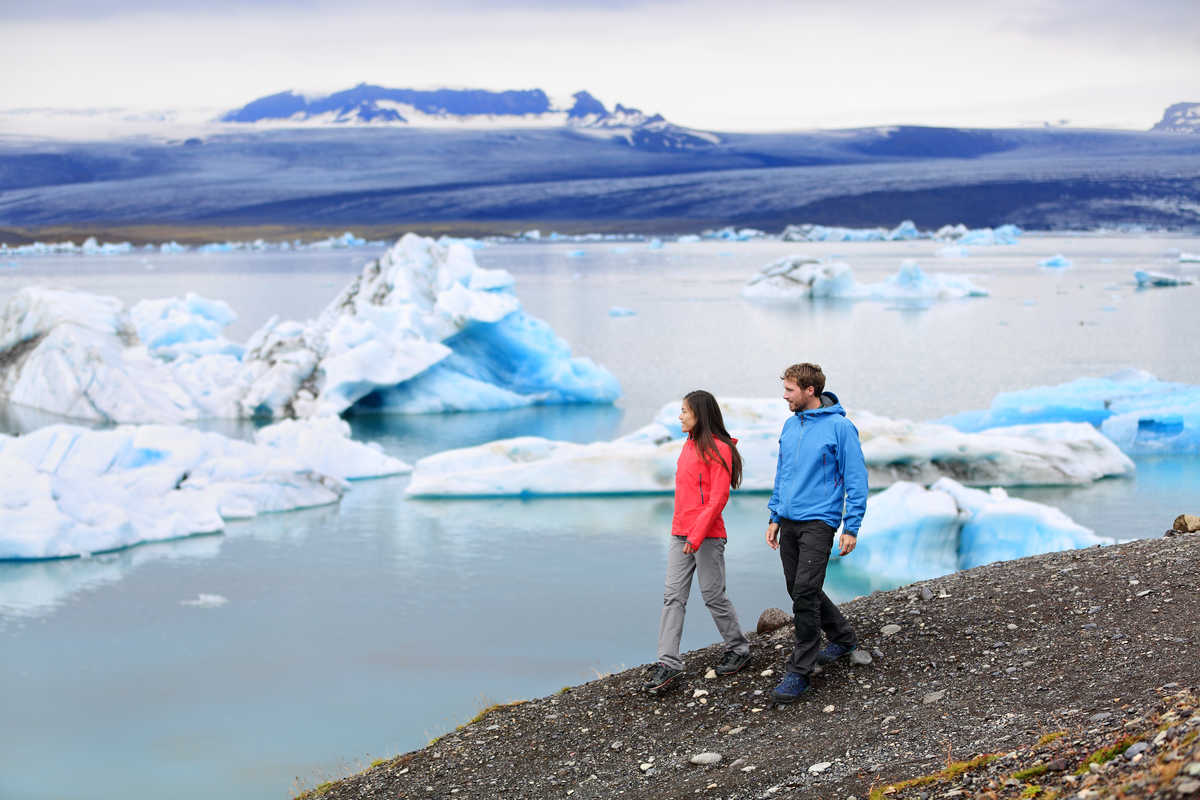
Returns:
(1137, 411)
(730, 234)
(894, 450)
(799, 276)
(1146, 279)
(347, 239)
(174, 327)
(417, 307)
(576, 253)
(982, 237)
(655, 244)
(953, 251)
(172, 247)
(204, 600)
(621, 311)
(1055, 261)
(796, 277)
(324, 445)
(689, 238)
(1190, 257)
(999, 527)
(913, 533)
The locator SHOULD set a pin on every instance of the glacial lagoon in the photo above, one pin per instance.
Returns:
(296, 647)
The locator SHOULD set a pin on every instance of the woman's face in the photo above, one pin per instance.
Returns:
(687, 420)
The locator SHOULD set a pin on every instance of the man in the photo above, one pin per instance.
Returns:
(820, 471)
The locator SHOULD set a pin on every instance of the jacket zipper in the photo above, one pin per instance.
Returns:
(700, 483)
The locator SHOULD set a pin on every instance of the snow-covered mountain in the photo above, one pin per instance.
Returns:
(1180, 118)
(475, 108)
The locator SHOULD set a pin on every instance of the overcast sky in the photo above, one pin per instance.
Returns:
(727, 65)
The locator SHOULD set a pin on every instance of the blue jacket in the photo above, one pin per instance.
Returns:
(820, 468)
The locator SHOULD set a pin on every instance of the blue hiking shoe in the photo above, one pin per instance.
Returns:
(790, 688)
(832, 652)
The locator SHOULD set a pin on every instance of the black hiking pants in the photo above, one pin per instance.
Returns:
(804, 548)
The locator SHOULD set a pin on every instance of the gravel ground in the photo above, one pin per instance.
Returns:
(976, 678)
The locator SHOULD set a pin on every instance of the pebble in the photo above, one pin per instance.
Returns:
(1193, 769)
(645, 765)
(1011, 626)
(1143, 593)
(705, 759)
(1188, 786)
(828, 709)
(738, 763)
(933, 697)
(766, 673)
(738, 729)
(875, 651)
(1135, 748)
(860, 657)
(710, 675)
(820, 766)
(700, 693)
(1100, 717)
(926, 595)
(616, 745)
(890, 630)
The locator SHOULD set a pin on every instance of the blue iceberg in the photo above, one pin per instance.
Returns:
(1136, 410)
(913, 533)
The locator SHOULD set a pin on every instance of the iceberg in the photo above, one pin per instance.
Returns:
(621, 311)
(911, 532)
(1193, 258)
(1147, 279)
(1138, 412)
(1057, 261)
(421, 329)
(979, 237)
(72, 491)
(795, 277)
(644, 461)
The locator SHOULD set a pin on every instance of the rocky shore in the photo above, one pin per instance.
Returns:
(1071, 674)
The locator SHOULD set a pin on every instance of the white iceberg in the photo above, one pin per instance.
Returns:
(1147, 278)
(979, 237)
(644, 461)
(808, 232)
(1136, 410)
(73, 491)
(913, 533)
(796, 277)
(1189, 257)
(421, 329)
(1057, 261)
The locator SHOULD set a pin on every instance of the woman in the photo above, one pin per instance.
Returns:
(708, 467)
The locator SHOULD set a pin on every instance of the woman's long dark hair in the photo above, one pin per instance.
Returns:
(710, 425)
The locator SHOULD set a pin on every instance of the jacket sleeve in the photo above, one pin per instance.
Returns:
(854, 477)
(773, 503)
(718, 482)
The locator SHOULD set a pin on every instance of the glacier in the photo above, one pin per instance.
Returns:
(73, 491)
(422, 329)
(911, 532)
(644, 461)
(794, 277)
(1140, 413)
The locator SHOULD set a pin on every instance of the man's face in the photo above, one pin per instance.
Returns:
(797, 399)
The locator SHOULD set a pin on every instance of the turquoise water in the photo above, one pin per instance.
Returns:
(361, 630)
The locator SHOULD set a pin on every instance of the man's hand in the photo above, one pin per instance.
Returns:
(688, 549)
(846, 543)
(773, 536)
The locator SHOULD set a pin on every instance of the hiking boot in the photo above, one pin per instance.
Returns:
(731, 662)
(832, 652)
(661, 679)
(790, 688)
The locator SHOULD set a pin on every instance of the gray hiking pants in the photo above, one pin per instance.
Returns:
(709, 562)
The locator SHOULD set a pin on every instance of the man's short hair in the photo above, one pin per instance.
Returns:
(805, 375)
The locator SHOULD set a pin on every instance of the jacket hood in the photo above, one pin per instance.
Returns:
(829, 405)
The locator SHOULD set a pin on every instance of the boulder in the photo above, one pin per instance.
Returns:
(1184, 523)
(772, 620)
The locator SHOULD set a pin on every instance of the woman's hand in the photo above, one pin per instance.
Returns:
(688, 549)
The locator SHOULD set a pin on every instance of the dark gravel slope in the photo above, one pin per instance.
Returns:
(1044, 660)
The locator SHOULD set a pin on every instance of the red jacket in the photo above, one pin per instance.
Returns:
(701, 492)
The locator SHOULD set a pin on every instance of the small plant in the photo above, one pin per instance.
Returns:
(1106, 754)
(951, 772)
(1031, 772)
(1050, 737)
(1032, 790)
